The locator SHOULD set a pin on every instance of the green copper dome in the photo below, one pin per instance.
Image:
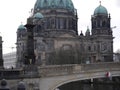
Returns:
(62, 4)
(21, 27)
(100, 10)
(88, 30)
(38, 16)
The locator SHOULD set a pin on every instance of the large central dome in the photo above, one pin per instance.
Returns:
(57, 4)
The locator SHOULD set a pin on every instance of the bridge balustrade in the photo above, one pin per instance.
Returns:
(77, 68)
(10, 73)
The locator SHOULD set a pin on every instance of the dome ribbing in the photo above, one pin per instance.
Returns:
(62, 4)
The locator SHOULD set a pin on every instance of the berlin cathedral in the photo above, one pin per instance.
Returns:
(50, 36)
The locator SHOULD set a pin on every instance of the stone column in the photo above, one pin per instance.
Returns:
(43, 58)
(1, 54)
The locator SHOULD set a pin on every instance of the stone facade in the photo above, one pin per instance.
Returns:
(9, 60)
(56, 39)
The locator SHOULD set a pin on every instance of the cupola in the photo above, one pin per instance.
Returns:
(21, 27)
(38, 15)
(87, 32)
(101, 21)
(100, 10)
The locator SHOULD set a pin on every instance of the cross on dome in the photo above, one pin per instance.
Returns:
(100, 2)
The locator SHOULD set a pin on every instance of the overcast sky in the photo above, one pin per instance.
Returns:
(13, 12)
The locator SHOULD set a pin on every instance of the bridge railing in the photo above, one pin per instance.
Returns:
(55, 70)
(99, 66)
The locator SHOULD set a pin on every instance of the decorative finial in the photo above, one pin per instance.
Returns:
(100, 2)
(31, 12)
(81, 31)
(88, 30)
(87, 27)
(81, 34)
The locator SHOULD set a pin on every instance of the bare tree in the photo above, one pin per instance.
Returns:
(118, 51)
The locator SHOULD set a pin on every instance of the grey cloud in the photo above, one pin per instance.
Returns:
(118, 2)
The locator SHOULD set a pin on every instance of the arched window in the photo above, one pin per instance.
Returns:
(58, 23)
(65, 21)
(70, 23)
(103, 24)
(53, 23)
(95, 48)
(89, 48)
(48, 23)
(98, 23)
(61, 23)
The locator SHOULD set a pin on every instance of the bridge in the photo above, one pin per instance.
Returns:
(54, 76)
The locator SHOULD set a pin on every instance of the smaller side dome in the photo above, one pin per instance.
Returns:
(87, 32)
(21, 27)
(100, 10)
(38, 15)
